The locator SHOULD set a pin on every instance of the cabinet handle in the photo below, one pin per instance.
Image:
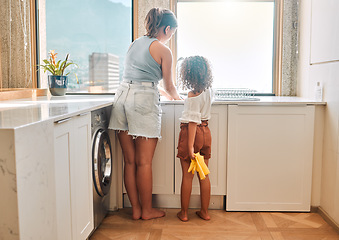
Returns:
(63, 120)
(83, 114)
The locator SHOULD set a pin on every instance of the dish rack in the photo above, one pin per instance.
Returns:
(235, 94)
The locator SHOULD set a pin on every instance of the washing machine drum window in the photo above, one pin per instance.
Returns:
(102, 162)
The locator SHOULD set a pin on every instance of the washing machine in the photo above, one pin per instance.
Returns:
(102, 163)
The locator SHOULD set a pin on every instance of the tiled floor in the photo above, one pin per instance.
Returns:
(223, 225)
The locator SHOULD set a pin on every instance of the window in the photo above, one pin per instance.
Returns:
(236, 36)
(96, 33)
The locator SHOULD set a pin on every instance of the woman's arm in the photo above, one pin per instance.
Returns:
(166, 65)
(192, 129)
(163, 55)
(164, 93)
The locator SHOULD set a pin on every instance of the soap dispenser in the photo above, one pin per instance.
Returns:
(318, 92)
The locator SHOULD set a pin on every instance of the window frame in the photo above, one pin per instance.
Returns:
(277, 41)
(34, 42)
(0, 68)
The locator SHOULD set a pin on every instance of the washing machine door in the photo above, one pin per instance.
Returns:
(102, 162)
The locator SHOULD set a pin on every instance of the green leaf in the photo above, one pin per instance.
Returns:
(76, 78)
(58, 72)
(57, 65)
(57, 69)
(65, 66)
(68, 65)
(49, 69)
(62, 67)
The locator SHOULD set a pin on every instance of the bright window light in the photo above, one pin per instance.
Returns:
(236, 37)
(97, 35)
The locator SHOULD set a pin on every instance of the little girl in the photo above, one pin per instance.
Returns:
(195, 136)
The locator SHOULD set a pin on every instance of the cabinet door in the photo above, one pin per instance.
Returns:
(73, 177)
(269, 158)
(163, 160)
(81, 178)
(217, 163)
(62, 158)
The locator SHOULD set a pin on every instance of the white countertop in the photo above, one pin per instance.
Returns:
(276, 101)
(22, 112)
(262, 101)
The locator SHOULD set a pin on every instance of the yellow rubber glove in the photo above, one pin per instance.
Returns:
(198, 164)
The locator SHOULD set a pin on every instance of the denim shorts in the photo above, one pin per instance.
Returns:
(136, 109)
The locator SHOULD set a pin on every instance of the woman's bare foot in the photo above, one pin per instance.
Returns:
(203, 215)
(182, 216)
(154, 213)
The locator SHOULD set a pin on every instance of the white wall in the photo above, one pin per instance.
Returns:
(328, 74)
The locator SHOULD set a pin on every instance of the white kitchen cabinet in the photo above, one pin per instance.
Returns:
(217, 163)
(163, 160)
(270, 151)
(73, 177)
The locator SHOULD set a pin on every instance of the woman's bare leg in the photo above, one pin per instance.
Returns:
(128, 148)
(205, 195)
(145, 148)
(186, 189)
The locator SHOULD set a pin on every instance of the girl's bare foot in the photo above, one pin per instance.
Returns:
(154, 213)
(182, 216)
(203, 215)
(136, 213)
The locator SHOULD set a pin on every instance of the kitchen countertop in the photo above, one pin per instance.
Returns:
(276, 101)
(21, 112)
(266, 100)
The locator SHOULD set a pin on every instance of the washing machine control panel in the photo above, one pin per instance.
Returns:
(99, 120)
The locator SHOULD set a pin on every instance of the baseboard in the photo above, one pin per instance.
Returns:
(314, 209)
(326, 217)
(173, 201)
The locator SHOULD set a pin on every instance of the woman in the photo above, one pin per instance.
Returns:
(136, 112)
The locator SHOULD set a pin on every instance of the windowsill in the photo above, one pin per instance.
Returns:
(90, 93)
(17, 93)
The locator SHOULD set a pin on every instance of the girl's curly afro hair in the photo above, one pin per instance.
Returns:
(195, 74)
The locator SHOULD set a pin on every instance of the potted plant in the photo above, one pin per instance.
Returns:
(57, 82)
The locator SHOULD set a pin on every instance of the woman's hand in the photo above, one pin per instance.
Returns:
(164, 93)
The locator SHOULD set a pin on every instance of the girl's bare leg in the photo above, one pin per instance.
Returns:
(128, 148)
(145, 148)
(186, 189)
(205, 195)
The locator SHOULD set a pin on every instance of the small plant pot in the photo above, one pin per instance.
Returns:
(57, 85)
